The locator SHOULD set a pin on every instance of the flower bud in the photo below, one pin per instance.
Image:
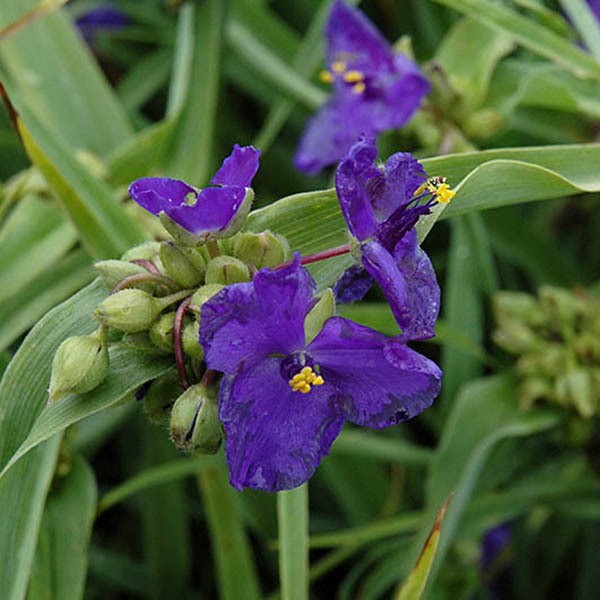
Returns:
(179, 266)
(160, 398)
(203, 294)
(517, 306)
(80, 364)
(576, 388)
(145, 251)
(114, 271)
(516, 337)
(562, 306)
(483, 123)
(320, 312)
(161, 332)
(140, 341)
(226, 270)
(261, 249)
(239, 219)
(532, 390)
(195, 421)
(189, 338)
(133, 310)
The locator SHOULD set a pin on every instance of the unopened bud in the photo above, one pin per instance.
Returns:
(80, 364)
(133, 310)
(145, 251)
(482, 123)
(195, 421)
(516, 337)
(114, 271)
(161, 332)
(576, 388)
(548, 361)
(261, 249)
(185, 266)
(226, 270)
(160, 398)
(562, 306)
(203, 294)
(191, 345)
(532, 390)
(517, 306)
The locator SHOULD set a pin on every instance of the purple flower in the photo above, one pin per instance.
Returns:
(283, 401)
(382, 206)
(217, 211)
(374, 89)
(595, 7)
(104, 17)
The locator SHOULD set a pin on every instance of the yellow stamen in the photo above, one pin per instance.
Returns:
(326, 76)
(338, 66)
(302, 382)
(359, 88)
(353, 76)
(438, 187)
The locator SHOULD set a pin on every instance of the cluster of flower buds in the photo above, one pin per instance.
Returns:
(556, 337)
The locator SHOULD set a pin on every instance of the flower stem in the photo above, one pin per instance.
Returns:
(317, 256)
(292, 517)
(177, 342)
(147, 264)
(213, 248)
(165, 282)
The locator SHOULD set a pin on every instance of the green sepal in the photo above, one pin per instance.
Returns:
(320, 312)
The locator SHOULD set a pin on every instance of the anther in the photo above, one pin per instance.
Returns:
(326, 76)
(359, 88)
(338, 66)
(353, 76)
(302, 382)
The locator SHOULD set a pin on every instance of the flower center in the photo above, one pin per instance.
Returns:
(302, 382)
(352, 77)
(439, 188)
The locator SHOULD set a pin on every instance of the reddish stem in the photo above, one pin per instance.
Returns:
(208, 377)
(147, 264)
(177, 342)
(311, 258)
(161, 280)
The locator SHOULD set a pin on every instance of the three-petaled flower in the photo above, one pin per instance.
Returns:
(283, 401)
(194, 216)
(381, 207)
(374, 89)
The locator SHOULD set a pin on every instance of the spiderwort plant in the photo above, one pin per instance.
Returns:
(382, 206)
(284, 399)
(374, 89)
(193, 216)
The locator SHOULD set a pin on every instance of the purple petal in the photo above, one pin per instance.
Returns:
(354, 40)
(396, 186)
(101, 18)
(239, 168)
(409, 284)
(156, 194)
(383, 382)
(352, 286)
(275, 437)
(245, 322)
(595, 6)
(350, 182)
(214, 209)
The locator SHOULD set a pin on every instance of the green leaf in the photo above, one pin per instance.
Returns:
(34, 237)
(22, 496)
(585, 21)
(24, 308)
(414, 586)
(468, 55)
(60, 563)
(236, 573)
(529, 34)
(191, 145)
(104, 227)
(484, 413)
(292, 516)
(54, 71)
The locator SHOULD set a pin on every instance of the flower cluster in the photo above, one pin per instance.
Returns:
(374, 89)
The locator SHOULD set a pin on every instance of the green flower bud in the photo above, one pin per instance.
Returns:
(517, 306)
(483, 123)
(195, 422)
(161, 332)
(145, 251)
(203, 294)
(160, 398)
(548, 361)
(226, 270)
(516, 337)
(576, 388)
(189, 338)
(562, 306)
(80, 364)
(261, 249)
(133, 310)
(114, 271)
(140, 341)
(532, 390)
(185, 266)
(320, 312)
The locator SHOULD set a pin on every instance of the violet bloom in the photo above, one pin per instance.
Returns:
(595, 7)
(374, 89)
(103, 18)
(283, 401)
(193, 216)
(382, 206)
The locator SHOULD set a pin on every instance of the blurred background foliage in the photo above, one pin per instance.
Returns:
(110, 509)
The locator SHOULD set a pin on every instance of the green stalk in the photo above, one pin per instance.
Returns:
(292, 515)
